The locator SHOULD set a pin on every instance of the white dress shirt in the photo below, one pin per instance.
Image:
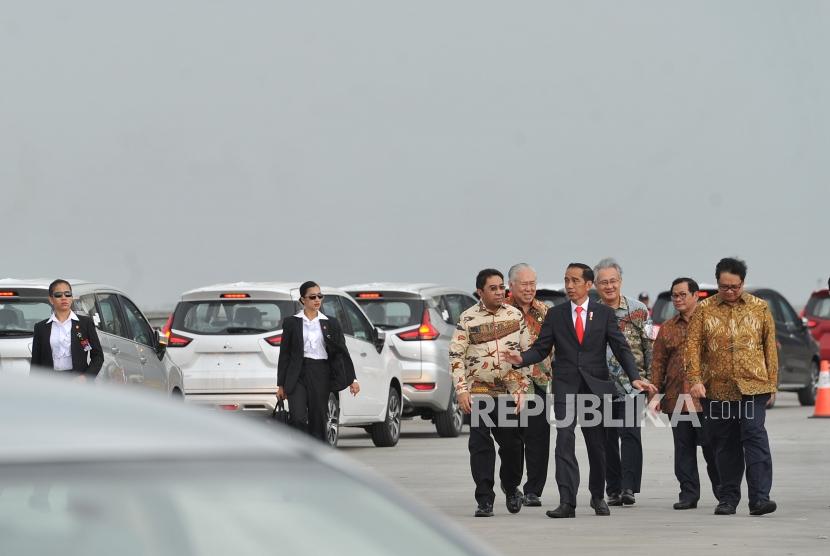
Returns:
(61, 341)
(313, 345)
(584, 314)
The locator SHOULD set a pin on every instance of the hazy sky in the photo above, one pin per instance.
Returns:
(164, 145)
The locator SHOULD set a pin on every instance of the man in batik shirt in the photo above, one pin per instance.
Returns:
(522, 280)
(482, 332)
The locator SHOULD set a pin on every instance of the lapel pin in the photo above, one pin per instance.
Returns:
(590, 316)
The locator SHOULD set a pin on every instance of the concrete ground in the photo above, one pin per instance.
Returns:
(436, 470)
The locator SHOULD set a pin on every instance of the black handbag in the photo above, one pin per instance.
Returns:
(281, 415)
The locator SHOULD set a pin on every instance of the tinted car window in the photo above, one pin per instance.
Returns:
(110, 313)
(231, 316)
(332, 308)
(457, 304)
(393, 313)
(140, 331)
(361, 328)
(790, 317)
(20, 315)
(774, 306)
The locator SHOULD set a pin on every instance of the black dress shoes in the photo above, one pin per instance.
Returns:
(725, 508)
(685, 505)
(532, 500)
(484, 510)
(763, 508)
(563, 510)
(627, 497)
(614, 499)
(600, 507)
(514, 499)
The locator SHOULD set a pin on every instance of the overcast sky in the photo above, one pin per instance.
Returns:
(164, 145)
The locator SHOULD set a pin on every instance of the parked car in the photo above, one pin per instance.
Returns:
(551, 294)
(88, 471)
(419, 320)
(798, 354)
(817, 314)
(134, 353)
(226, 339)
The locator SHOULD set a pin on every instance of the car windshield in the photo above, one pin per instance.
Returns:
(232, 316)
(18, 316)
(663, 309)
(204, 508)
(818, 307)
(388, 314)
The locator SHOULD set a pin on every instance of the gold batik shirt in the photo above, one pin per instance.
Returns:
(540, 373)
(732, 349)
(475, 362)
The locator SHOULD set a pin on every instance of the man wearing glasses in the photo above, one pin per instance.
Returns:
(478, 368)
(623, 444)
(732, 360)
(668, 373)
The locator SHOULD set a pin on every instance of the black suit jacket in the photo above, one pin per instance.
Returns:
(83, 329)
(290, 362)
(573, 361)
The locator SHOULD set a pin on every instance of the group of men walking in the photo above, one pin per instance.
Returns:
(712, 368)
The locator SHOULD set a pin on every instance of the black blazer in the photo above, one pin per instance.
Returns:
(83, 329)
(572, 360)
(290, 362)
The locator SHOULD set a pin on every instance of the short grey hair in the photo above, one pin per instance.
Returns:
(608, 262)
(516, 268)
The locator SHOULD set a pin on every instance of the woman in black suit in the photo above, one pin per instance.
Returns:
(65, 342)
(313, 361)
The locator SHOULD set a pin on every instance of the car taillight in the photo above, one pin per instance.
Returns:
(229, 406)
(274, 340)
(173, 340)
(8, 294)
(424, 332)
(423, 386)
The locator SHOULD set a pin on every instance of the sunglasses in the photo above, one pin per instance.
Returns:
(314, 296)
(58, 295)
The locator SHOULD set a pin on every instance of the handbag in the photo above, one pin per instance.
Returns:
(281, 415)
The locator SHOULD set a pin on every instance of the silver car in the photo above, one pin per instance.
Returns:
(419, 320)
(133, 352)
(95, 471)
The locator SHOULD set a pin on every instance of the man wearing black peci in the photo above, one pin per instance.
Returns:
(579, 333)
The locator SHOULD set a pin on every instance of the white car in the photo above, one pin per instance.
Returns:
(133, 353)
(226, 339)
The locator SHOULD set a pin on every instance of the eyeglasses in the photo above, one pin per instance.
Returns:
(611, 282)
(496, 288)
(681, 296)
(58, 295)
(314, 297)
(730, 287)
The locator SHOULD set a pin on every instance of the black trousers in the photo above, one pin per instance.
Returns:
(537, 446)
(567, 468)
(687, 438)
(483, 453)
(623, 451)
(308, 403)
(739, 439)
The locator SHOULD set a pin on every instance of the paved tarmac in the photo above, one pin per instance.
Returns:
(436, 470)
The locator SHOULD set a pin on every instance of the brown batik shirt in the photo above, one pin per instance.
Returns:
(668, 366)
(732, 349)
(540, 373)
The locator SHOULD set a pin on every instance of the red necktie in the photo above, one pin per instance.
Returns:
(580, 328)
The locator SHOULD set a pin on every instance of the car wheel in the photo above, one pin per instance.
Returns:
(449, 423)
(807, 395)
(387, 432)
(333, 420)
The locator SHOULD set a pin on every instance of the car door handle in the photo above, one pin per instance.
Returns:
(142, 359)
(363, 354)
(115, 350)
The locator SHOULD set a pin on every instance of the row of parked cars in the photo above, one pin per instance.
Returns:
(220, 346)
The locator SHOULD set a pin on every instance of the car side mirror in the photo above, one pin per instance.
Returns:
(380, 339)
(159, 341)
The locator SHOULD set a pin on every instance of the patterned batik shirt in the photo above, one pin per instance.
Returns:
(635, 324)
(732, 349)
(475, 362)
(668, 366)
(540, 373)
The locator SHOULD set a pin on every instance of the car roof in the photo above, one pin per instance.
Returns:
(408, 287)
(43, 283)
(553, 286)
(281, 290)
(48, 420)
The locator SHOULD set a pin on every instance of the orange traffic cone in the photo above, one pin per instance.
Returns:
(823, 391)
